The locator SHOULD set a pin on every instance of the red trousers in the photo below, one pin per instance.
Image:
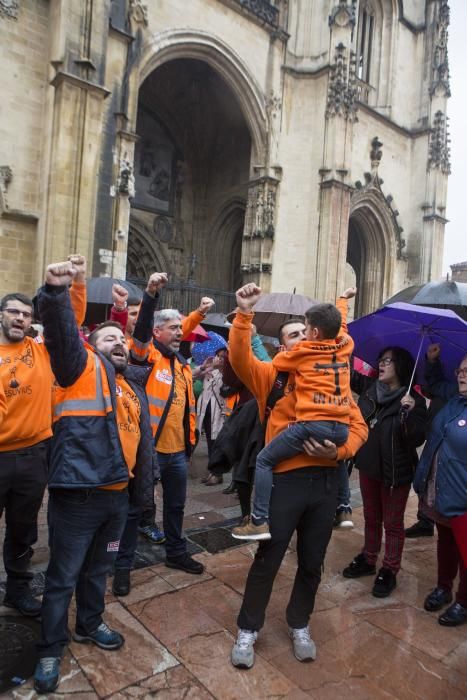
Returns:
(383, 506)
(449, 563)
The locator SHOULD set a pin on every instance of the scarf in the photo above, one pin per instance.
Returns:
(385, 395)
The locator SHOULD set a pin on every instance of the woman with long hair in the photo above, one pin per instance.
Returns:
(396, 420)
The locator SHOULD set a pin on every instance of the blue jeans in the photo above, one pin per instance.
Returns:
(173, 469)
(288, 444)
(85, 530)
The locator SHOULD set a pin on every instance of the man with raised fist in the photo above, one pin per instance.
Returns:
(101, 450)
(156, 341)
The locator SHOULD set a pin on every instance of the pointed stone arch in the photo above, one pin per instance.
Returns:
(186, 43)
(226, 239)
(144, 255)
(374, 245)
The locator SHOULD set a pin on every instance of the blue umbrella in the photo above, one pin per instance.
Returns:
(201, 351)
(413, 328)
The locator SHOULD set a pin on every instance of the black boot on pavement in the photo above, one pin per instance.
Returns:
(359, 567)
(420, 529)
(185, 563)
(384, 583)
(121, 584)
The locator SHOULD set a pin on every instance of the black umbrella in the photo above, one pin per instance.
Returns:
(99, 297)
(445, 295)
(218, 323)
(99, 290)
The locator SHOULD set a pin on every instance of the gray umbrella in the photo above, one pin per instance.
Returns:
(445, 295)
(273, 309)
(99, 290)
(218, 323)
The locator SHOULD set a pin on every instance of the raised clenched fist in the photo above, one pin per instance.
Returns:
(119, 296)
(433, 352)
(205, 305)
(247, 296)
(156, 282)
(349, 293)
(60, 274)
(79, 266)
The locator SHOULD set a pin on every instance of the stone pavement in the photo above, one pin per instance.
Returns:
(179, 628)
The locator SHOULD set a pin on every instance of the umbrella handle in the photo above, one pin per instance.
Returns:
(416, 363)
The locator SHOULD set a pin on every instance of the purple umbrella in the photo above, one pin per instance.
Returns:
(201, 351)
(413, 328)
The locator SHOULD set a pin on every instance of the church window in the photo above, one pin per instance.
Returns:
(366, 28)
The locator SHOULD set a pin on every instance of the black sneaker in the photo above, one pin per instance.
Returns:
(437, 599)
(420, 529)
(26, 604)
(121, 584)
(185, 563)
(384, 583)
(359, 567)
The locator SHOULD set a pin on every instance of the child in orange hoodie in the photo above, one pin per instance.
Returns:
(321, 365)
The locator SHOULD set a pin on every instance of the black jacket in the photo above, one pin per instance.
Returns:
(79, 458)
(389, 455)
(238, 443)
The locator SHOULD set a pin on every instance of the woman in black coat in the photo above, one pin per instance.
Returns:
(386, 463)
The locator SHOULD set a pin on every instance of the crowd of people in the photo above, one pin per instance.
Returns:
(99, 418)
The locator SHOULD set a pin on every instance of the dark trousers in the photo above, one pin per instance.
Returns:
(383, 506)
(129, 539)
(449, 563)
(303, 500)
(23, 478)
(85, 530)
(173, 469)
(288, 444)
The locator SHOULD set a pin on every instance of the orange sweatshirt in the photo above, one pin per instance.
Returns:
(2, 404)
(322, 374)
(259, 377)
(26, 379)
(78, 301)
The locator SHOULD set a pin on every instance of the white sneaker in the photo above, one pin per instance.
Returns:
(343, 518)
(304, 647)
(243, 654)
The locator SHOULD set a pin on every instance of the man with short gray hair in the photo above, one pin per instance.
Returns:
(156, 341)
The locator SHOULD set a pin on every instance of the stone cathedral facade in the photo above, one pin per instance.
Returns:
(300, 144)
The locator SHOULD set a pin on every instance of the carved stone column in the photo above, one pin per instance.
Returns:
(259, 231)
(341, 114)
(438, 165)
(123, 192)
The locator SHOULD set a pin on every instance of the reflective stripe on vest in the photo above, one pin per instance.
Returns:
(100, 404)
(158, 391)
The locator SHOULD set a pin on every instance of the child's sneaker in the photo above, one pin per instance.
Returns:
(250, 531)
(343, 518)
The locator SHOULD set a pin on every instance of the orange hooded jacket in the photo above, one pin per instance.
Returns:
(322, 374)
(259, 378)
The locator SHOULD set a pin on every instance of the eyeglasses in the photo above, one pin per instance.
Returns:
(385, 361)
(27, 315)
(461, 372)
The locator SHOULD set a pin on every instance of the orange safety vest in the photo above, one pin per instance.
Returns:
(86, 448)
(230, 404)
(88, 396)
(158, 391)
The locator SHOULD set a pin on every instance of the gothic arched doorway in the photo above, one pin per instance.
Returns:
(369, 256)
(192, 167)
